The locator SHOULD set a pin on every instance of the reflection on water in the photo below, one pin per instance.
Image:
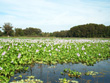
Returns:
(51, 74)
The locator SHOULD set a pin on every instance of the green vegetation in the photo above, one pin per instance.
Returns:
(32, 80)
(64, 80)
(91, 73)
(90, 30)
(71, 73)
(74, 73)
(29, 80)
(15, 53)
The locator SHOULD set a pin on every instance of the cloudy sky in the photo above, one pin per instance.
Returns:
(54, 15)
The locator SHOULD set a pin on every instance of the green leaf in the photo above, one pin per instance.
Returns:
(20, 76)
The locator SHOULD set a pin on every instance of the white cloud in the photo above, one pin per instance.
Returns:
(49, 14)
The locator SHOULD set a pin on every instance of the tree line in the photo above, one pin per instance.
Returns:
(86, 30)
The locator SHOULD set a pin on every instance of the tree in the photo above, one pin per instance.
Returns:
(7, 28)
(108, 31)
(19, 32)
(0, 27)
(32, 31)
(90, 30)
(1, 33)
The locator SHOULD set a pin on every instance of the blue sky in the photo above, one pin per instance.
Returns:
(54, 15)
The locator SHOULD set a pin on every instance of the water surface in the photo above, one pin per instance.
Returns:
(51, 74)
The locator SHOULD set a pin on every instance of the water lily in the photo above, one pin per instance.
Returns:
(78, 54)
(83, 48)
(88, 45)
(16, 44)
(52, 48)
(1, 68)
(1, 47)
(8, 48)
(3, 53)
(37, 50)
(56, 49)
(50, 54)
(85, 53)
(19, 55)
(11, 61)
(70, 47)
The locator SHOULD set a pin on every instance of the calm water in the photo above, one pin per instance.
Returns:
(51, 74)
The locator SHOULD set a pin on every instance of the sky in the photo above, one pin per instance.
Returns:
(54, 15)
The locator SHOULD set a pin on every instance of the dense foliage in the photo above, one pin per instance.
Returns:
(90, 30)
(7, 28)
(8, 31)
(86, 30)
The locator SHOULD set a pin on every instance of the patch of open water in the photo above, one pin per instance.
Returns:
(51, 74)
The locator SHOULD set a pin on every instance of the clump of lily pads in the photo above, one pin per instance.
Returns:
(64, 80)
(29, 80)
(71, 73)
(91, 73)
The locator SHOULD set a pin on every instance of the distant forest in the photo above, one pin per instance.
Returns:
(86, 30)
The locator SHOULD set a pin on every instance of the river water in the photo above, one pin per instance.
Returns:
(51, 74)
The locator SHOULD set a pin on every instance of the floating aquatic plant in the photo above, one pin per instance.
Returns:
(71, 73)
(91, 73)
(64, 80)
(17, 52)
(29, 80)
